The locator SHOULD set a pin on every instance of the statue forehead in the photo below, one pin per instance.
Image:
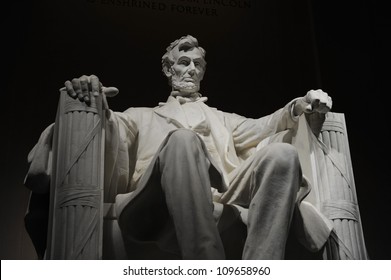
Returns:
(185, 48)
(191, 53)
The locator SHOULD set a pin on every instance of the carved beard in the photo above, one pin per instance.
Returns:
(185, 87)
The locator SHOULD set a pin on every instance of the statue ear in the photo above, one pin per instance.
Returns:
(168, 71)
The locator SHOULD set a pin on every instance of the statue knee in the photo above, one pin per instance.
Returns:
(183, 139)
(276, 176)
(281, 155)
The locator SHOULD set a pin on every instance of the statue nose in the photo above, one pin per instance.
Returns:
(192, 68)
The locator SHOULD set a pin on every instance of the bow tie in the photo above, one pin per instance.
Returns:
(195, 97)
(183, 100)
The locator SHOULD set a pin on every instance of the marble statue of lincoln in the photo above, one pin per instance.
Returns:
(173, 170)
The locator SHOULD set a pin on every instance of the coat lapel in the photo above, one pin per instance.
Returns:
(172, 111)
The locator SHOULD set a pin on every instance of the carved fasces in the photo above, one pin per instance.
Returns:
(76, 206)
(335, 187)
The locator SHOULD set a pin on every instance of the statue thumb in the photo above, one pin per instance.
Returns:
(110, 91)
(308, 109)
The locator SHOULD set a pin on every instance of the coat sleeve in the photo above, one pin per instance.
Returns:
(120, 153)
(248, 133)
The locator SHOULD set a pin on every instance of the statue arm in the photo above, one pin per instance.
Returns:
(248, 133)
(315, 101)
(120, 153)
(40, 163)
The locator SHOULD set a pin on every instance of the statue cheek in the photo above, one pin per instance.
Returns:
(179, 69)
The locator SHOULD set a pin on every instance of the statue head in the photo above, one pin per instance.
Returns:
(184, 65)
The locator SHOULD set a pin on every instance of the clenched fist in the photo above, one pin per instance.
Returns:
(314, 101)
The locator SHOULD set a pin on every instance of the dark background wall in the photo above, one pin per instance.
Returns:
(259, 58)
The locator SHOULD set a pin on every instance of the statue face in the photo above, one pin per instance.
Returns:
(187, 71)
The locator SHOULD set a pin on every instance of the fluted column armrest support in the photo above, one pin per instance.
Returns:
(76, 191)
(333, 185)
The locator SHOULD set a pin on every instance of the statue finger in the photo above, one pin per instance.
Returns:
(77, 88)
(323, 96)
(329, 103)
(84, 89)
(311, 96)
(95, 85)
(308, 109)
(69, 88)
(95, 88)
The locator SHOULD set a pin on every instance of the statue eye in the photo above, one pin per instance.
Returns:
(199, 64)
(184, 62)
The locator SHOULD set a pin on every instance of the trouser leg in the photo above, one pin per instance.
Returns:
(186, 185)
(274, 182)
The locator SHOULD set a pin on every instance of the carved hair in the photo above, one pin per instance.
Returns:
(188, 43)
